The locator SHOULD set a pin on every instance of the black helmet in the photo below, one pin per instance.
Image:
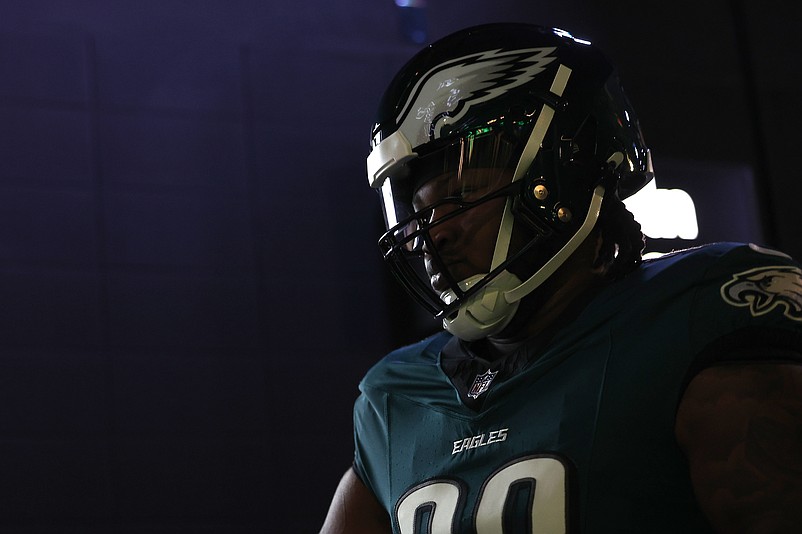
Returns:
(546, 110)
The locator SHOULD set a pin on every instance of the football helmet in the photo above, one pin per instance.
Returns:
(527, 119)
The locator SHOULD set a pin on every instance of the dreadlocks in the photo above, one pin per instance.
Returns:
(622, 239)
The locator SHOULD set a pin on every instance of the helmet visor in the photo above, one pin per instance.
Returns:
(462, 172)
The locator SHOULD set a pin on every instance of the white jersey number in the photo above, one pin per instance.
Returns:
(526, 496)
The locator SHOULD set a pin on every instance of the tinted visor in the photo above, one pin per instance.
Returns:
(459, 173)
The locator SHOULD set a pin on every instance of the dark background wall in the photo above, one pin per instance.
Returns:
(189, 284)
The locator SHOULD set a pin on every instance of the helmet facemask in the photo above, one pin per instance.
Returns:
(444, 210)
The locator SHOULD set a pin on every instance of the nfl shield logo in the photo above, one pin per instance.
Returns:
(481, 383)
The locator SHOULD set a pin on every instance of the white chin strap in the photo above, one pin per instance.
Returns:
(492, 308)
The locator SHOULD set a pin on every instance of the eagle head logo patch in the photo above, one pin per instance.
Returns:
(765, 288)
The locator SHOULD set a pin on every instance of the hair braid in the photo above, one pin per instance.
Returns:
(622, 239)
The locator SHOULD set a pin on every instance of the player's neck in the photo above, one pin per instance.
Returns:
(548, 310)
(561, 308)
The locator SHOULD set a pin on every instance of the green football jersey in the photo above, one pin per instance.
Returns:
(581, 439)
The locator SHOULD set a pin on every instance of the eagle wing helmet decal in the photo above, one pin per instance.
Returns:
(446, 93)
(765, 288)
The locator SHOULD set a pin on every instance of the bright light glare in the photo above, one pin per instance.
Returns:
(664, 213)
(562, 33)
(389, 204)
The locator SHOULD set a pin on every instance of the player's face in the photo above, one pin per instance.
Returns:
(464, 242)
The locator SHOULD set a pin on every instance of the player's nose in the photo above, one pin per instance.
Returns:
(443, 228)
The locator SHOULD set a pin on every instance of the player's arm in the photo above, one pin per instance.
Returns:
(740, 426)
(355, 510)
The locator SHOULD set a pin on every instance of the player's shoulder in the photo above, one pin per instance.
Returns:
(734, 286)
(716, 260)
(406, 364)
(704, 274)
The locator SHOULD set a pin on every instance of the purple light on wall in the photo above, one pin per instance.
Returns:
(412, 20)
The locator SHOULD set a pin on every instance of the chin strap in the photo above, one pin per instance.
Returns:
(493, 307)
(528, 155)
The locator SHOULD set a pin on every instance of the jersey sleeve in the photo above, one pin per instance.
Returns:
(748, 307)
(370, 439)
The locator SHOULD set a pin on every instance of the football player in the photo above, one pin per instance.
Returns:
(575, 387)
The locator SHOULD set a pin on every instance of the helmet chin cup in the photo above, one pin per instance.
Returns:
(484, 313)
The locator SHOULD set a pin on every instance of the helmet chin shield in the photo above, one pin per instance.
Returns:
(484, 313)
(492, 154)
